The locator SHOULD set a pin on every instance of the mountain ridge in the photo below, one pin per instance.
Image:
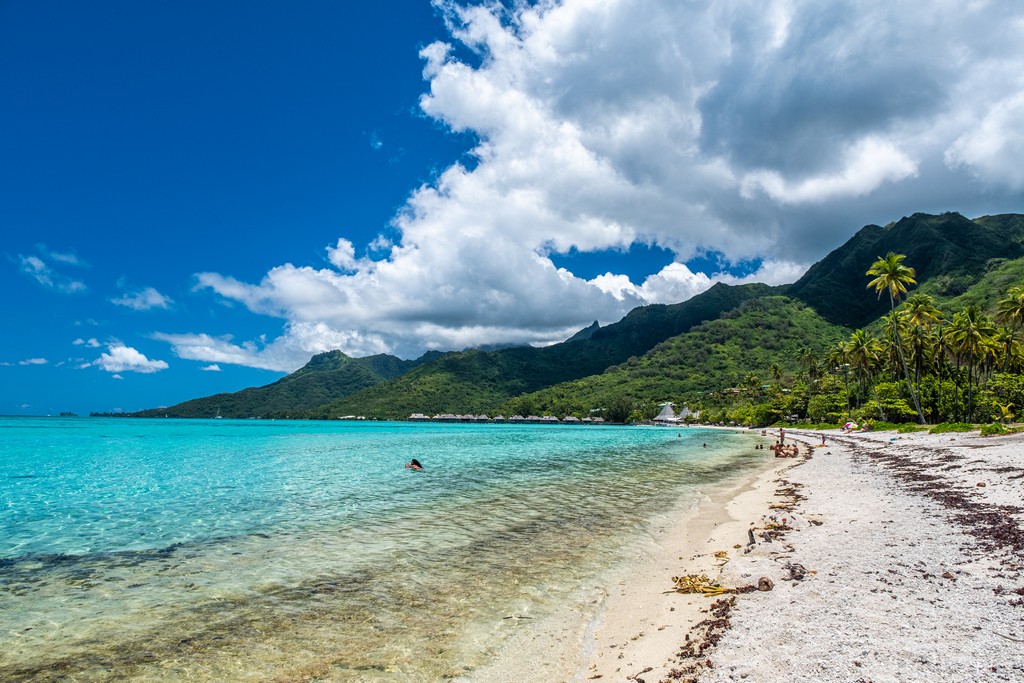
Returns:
(949, 252)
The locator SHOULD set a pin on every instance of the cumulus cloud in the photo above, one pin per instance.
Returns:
(868, 164)
(676, 282)
(765, 131)
(120, 358)
(91, 342)
(992, 149)
(290, 351)
(33, 361)
(143, 300)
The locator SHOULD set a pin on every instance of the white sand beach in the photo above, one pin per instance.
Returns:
(914, 554)
(894, 557)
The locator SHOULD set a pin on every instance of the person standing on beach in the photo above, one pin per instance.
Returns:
(782, 436)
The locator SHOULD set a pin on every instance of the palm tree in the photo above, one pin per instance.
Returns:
(1010, 311)
(1006, 341)
(892, 276)
(894, 332)
(808, 360)
(838, 359)
(837, 354)
(920, 313)
(971, 334)
(753, 383)
(947, 366)
(919, 309)
(864, 353)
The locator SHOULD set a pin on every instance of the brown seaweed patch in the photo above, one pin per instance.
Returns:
(692, 658)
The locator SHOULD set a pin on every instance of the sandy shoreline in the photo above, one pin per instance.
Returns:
(917, 554)
(643, 621)
(633, 623)
(907, 569)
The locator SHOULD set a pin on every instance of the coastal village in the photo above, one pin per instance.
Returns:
(667, 416)
(529, 419)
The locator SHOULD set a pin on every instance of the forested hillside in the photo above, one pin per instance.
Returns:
(479, 382)
(718, 350)
(334, 385)
(323, 379)
(745, 348)
(948, 251)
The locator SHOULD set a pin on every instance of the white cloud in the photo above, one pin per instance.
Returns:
(868, 164)
(282, 356)
(33, 361)
(120, 358)
(66, 257)
(91, 342)
(992, 150)
(37, 269)
(211, 368)
(115, 376)
(343, 255)
(143, 300)
(765, 131)
(676, 282)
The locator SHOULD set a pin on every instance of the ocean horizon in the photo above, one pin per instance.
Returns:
(159, 549)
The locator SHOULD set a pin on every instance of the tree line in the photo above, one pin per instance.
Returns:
(921, 365)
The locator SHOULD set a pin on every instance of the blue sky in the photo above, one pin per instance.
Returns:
(196, 197)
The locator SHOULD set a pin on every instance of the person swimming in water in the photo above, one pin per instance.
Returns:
(414, 465)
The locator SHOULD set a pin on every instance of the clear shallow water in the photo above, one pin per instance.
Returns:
(257, 550)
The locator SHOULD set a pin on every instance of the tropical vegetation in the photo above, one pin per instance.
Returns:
(920, 321)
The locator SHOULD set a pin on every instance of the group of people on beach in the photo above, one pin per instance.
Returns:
(783, 451)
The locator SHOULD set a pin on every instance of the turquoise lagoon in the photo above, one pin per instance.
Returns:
(165, 550)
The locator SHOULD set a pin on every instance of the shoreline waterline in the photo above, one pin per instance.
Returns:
(633, 622)
(334, 563)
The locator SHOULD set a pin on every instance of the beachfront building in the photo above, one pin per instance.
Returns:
(687, 413)
(667, 415)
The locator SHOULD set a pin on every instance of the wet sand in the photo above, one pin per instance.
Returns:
(892, 558)
(633, 622)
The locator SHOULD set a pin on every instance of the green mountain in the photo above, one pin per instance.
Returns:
(1000, 275)
(334, 385)
(709, 342)
(478, 381)
(712, 356)
(323, 379)
(950, 250)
